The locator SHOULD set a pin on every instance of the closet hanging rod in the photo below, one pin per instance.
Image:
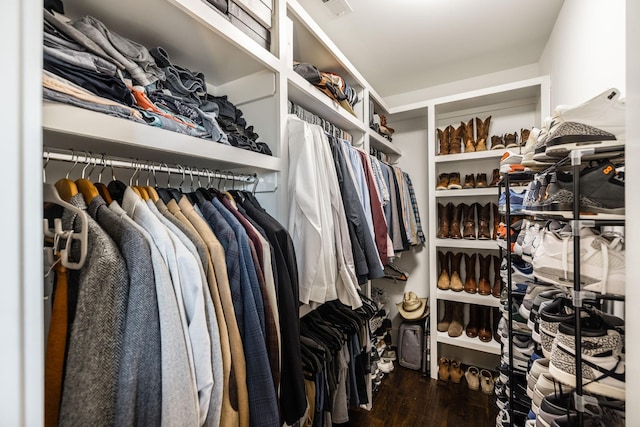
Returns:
(99, 159)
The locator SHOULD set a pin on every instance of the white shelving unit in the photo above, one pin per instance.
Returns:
(512, 107)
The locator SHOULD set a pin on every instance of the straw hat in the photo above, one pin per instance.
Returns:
(412, 307)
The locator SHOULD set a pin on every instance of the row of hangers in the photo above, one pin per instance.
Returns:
(61, 192)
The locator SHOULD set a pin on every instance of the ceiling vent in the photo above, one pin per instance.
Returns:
(338, 7)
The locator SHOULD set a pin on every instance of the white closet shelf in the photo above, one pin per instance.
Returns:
(466, 297)
(464, 341)
(489, 154)
(304, 94)
(466, 244)
(469, 192)
(195, 34)
(69, 127)
(380, 143)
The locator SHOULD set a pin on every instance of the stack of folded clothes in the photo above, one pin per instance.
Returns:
(88, 66)
(331, 84)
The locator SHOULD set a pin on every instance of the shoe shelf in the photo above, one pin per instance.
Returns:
(491, 347)
(477, 155)
(380, 143)
(615, 219)
(468, 298)
(466, 244)
(469, 192)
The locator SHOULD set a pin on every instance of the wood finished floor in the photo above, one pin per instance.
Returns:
(407, 399)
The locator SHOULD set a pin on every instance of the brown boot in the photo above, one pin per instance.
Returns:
(456, 282)
(455, 144)
(482, 129)
(484, 331)
(455, 371)
(496, 315)
(484, 285)
(470, 284)
(496, 221)
(472, 326)
(443, 324)
(454, 181)
(497, 280)
(443, 369)
(481, 180)
(496, 142)
(443, 137)
(444, 218)
(457, 321)
(469, 141)
(469, 181)
(484, 218)
(444, 279)
(524, 136)
(443, 181)
(510, 140)
(469, 221)
(454, 228)
(495, 178)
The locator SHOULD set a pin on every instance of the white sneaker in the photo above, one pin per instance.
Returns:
(385, 366)
(605, 111)
(538, 367)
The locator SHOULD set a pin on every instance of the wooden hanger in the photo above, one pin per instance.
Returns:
(65, 187)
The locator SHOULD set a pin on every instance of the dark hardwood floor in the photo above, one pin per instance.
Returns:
(407, 399)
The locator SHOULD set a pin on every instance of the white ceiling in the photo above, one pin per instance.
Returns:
(404, 45)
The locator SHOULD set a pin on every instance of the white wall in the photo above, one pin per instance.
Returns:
(411, 138)
(585, 53)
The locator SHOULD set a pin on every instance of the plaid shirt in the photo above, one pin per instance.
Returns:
(414, 205)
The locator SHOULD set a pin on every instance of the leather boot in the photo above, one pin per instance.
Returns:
(454, 181)
(496, 320)
(497, 280)
(481, 180)
(456, 282)
(469, 221)
(454, 227)
(484, 285)
(484, 331)
(443, 369)
(496, 220)
(484, 219)
(469, 181)
(524, 136)
(510, 140)
(443, 226)
(482, 129)
(455, 371)
(470, 284)
(443, 181)
(443, 137)
(495, 178)
(457, 321)
(443, 324)
(444, 279)
(472, 326)
(469, 141)
(496, 142)
(455, 144)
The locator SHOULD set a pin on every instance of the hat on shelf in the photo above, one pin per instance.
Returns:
(412, 307)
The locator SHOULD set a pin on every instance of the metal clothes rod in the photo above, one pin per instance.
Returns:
(100, 160)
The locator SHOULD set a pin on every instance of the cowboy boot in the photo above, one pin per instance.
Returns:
(496, 289)
(496, 220)
(443, 324)
(443, 181)
(470, 284)
(484, 286)
(468, 221)
(472, 326)
(496, 142)
(443, 137)
(457, 321)
(510, 139)
(469, 181)
(456, 282)
(484, 331)
(455, 145)
(482, 128)
(495, 178)
(443, 226)
(444, 279)
(484, 218)
(469, 142)
(481, 180)
(524, 136)
(454, 181)
(454, 228)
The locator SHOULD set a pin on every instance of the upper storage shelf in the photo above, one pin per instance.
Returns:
(195, 35)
